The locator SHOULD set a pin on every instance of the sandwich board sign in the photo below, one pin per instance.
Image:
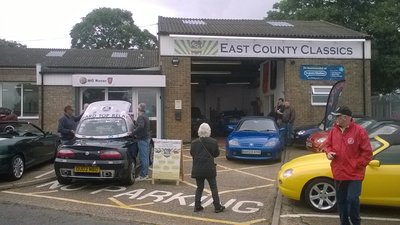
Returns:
(167, 160)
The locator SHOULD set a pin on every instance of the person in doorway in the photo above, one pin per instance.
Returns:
(280, 107)
(203, 151)
(67, 124)
(257, 107)
(349, 148)
(288, 117)
(142, 133)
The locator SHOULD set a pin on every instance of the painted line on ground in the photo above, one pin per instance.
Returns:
(44, 174)
(250, 174)
(336, 216)
(121, 205)
(245, 189)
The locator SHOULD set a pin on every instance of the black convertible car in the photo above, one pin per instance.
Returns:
(103, 149)
(23, 145)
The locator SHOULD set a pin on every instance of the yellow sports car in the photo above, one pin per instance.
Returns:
(309, 178)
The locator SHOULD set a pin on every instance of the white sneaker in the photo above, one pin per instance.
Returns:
(140, 178)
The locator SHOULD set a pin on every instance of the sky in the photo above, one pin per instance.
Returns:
(47, 23)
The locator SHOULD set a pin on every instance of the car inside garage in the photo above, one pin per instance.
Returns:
(224, 88)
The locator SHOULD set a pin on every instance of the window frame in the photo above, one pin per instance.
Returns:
(23, 86)
(316, 93)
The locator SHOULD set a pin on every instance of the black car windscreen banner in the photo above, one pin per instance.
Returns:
(332, 102)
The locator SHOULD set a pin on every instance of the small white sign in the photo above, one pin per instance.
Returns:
(178, 104)
(167, 159)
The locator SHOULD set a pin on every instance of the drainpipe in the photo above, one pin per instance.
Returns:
(39, 73)
(363, 66)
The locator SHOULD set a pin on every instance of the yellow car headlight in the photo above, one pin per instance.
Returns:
(287, 173)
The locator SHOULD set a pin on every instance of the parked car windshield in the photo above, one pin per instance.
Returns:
(102, 127)
(257, 125)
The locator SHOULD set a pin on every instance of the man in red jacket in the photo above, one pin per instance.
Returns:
(349, 148)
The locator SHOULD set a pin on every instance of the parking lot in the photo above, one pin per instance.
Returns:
(247, 189)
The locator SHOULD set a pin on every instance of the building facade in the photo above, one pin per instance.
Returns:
(211, 65)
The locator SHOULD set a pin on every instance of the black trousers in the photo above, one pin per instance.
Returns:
(212, 181)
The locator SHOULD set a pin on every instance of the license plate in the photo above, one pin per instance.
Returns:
(309, 144)
(251, 152)
(87, 169)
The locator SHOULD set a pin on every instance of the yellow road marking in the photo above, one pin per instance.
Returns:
(130, 206)
(195, 186)
(123, 206)
(44, 192)
(245, 189)
(250, 174)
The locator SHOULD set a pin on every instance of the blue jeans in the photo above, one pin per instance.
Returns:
(212, 181)
(348, 199)
(143, 145)
(289, 131)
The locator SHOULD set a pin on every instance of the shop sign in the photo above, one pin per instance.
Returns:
(265, 47)
(321, 72)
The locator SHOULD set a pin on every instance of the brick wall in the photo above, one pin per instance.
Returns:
(55, 99)
(298, 92)
(178, 87)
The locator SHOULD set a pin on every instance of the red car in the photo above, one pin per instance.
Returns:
(316, 141)
(7, 115)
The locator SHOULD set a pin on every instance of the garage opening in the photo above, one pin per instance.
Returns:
(223, 91)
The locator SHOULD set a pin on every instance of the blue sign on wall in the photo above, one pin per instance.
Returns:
(317, 72)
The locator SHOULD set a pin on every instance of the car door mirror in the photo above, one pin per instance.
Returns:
(282, 130)
(374, 163)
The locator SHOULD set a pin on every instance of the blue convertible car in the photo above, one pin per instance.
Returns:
(256, 138)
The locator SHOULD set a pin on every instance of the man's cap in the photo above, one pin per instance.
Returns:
(68, 107)
(342, 110)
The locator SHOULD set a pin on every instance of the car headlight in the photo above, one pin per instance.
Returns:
(271, 142)
(321, 140)
(233, 142)
(287, 173)
(301, 132)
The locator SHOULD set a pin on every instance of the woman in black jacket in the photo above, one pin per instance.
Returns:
(203, 151)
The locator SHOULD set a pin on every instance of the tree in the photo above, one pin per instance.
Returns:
(12, 44)
(110, 28)
(379, 19)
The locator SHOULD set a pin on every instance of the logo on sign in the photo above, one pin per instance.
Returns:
(109, 80)
(82, 80)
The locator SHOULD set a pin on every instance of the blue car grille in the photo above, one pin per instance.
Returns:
(252, 145)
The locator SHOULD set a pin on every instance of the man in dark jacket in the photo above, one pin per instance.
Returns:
(142, 133)
(288, 117)
(67, 125)
(203, 151)
(349, 148)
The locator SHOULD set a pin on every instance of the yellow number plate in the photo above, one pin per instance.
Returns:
(87, 169)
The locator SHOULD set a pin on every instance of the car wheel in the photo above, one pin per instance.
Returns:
(17, 168)
(320, 195)
(130, 177)
(61, 179)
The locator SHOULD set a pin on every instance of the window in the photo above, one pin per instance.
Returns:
(390, 156)
(319, 95)
(90, 95)
(21, 98)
